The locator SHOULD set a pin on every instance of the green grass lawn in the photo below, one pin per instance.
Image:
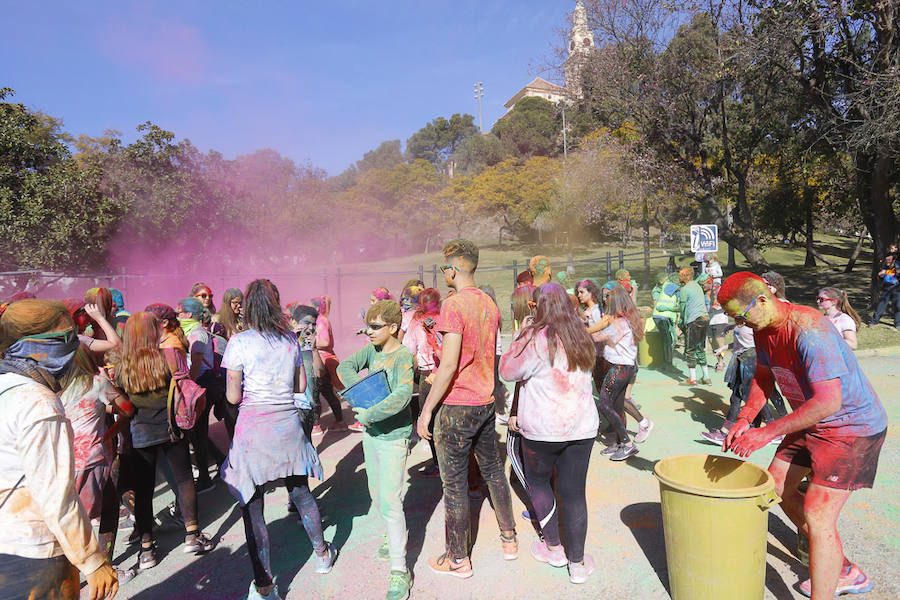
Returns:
(803, 283)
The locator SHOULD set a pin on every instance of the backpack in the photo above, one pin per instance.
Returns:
(186, 402)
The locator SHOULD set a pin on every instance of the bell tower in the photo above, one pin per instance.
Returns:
(581, 44)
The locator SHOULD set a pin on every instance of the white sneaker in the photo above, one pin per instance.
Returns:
(643, 432)
(253, 593)
(579, 572)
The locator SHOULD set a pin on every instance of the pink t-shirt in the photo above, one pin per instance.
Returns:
(416, 339)
(472, 314)
(84, 403)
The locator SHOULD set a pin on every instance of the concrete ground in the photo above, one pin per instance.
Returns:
(625, 532)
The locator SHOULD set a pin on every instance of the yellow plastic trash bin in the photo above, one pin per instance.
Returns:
(715, 521)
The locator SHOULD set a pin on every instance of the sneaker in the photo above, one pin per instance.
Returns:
(431, 472)
(543, 553)
(147, 558)
(852, 582)
(624, 451)
(325, 563)
(123, 576)
(777, 440)
(356, 426)
(510, 547)
(384, 552)
(197, 543)
(715, 436)
(253, 593)
(688, 381)
(317, 430)
(706, 381)
(205, 486)
(398, 585)
(579, 572)
(610, 450)
(444, 565)
(643, 432)
(133, 538)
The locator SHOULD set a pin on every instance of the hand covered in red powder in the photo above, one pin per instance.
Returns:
(749, 439)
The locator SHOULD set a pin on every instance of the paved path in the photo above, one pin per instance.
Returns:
(624, 535)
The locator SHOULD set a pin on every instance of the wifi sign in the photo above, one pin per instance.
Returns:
(704, 238)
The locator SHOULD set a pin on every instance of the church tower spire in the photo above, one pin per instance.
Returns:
(581, 44)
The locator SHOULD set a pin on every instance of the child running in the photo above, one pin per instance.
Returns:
(556, 416)
(388, 426)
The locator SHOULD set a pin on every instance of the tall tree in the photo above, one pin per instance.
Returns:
(531, 128)
(437, 141)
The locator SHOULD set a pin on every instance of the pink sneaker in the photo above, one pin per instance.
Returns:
(356, 426)
(317, 430)
(852, 582)
(555, 557)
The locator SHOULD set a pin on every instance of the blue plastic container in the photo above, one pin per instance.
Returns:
(369, 391)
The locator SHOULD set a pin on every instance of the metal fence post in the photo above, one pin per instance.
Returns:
(340, 318)
(422, 273)
(515, 272)
(608, 266)
(621, 259)
(434, 276)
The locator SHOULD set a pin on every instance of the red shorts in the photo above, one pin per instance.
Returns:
(840, 462)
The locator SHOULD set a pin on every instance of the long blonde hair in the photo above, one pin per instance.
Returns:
(143, 367)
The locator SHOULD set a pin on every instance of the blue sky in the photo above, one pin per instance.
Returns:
(317, 81)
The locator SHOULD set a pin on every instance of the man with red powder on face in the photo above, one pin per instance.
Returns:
(834, 433)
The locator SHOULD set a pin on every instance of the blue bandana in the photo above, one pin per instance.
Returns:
(45, 359)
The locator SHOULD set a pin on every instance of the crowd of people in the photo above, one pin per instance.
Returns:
(115, 397)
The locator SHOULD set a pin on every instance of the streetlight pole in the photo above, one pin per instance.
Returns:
(565, 141)
(479, 94)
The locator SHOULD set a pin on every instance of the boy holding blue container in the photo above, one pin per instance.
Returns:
(388, 425)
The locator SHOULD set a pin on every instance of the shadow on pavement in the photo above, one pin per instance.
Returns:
(644, 519)
(704, 407)
(419, 504)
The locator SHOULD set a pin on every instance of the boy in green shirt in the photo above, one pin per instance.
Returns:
(388, 426)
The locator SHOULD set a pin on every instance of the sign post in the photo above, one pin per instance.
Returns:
(704, 238)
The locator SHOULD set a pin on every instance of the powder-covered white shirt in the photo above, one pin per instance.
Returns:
(623, 350)
(843, 322)
(268, 364)
(555, 405)
(43, 517)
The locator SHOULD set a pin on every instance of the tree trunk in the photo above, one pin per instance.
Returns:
(873, 175)
(645, 225)
(856, 250)
(810, 256)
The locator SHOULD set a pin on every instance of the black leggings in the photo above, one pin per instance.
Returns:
(199, 434)
(144, 463)
(570, 459)
(258, 534)
(326, 389)
(612, 397)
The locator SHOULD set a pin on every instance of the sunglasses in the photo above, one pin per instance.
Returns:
(203, 295)
(820, 300)
(742, 318)
(375, 326)
(66, 336)
(445, 268)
